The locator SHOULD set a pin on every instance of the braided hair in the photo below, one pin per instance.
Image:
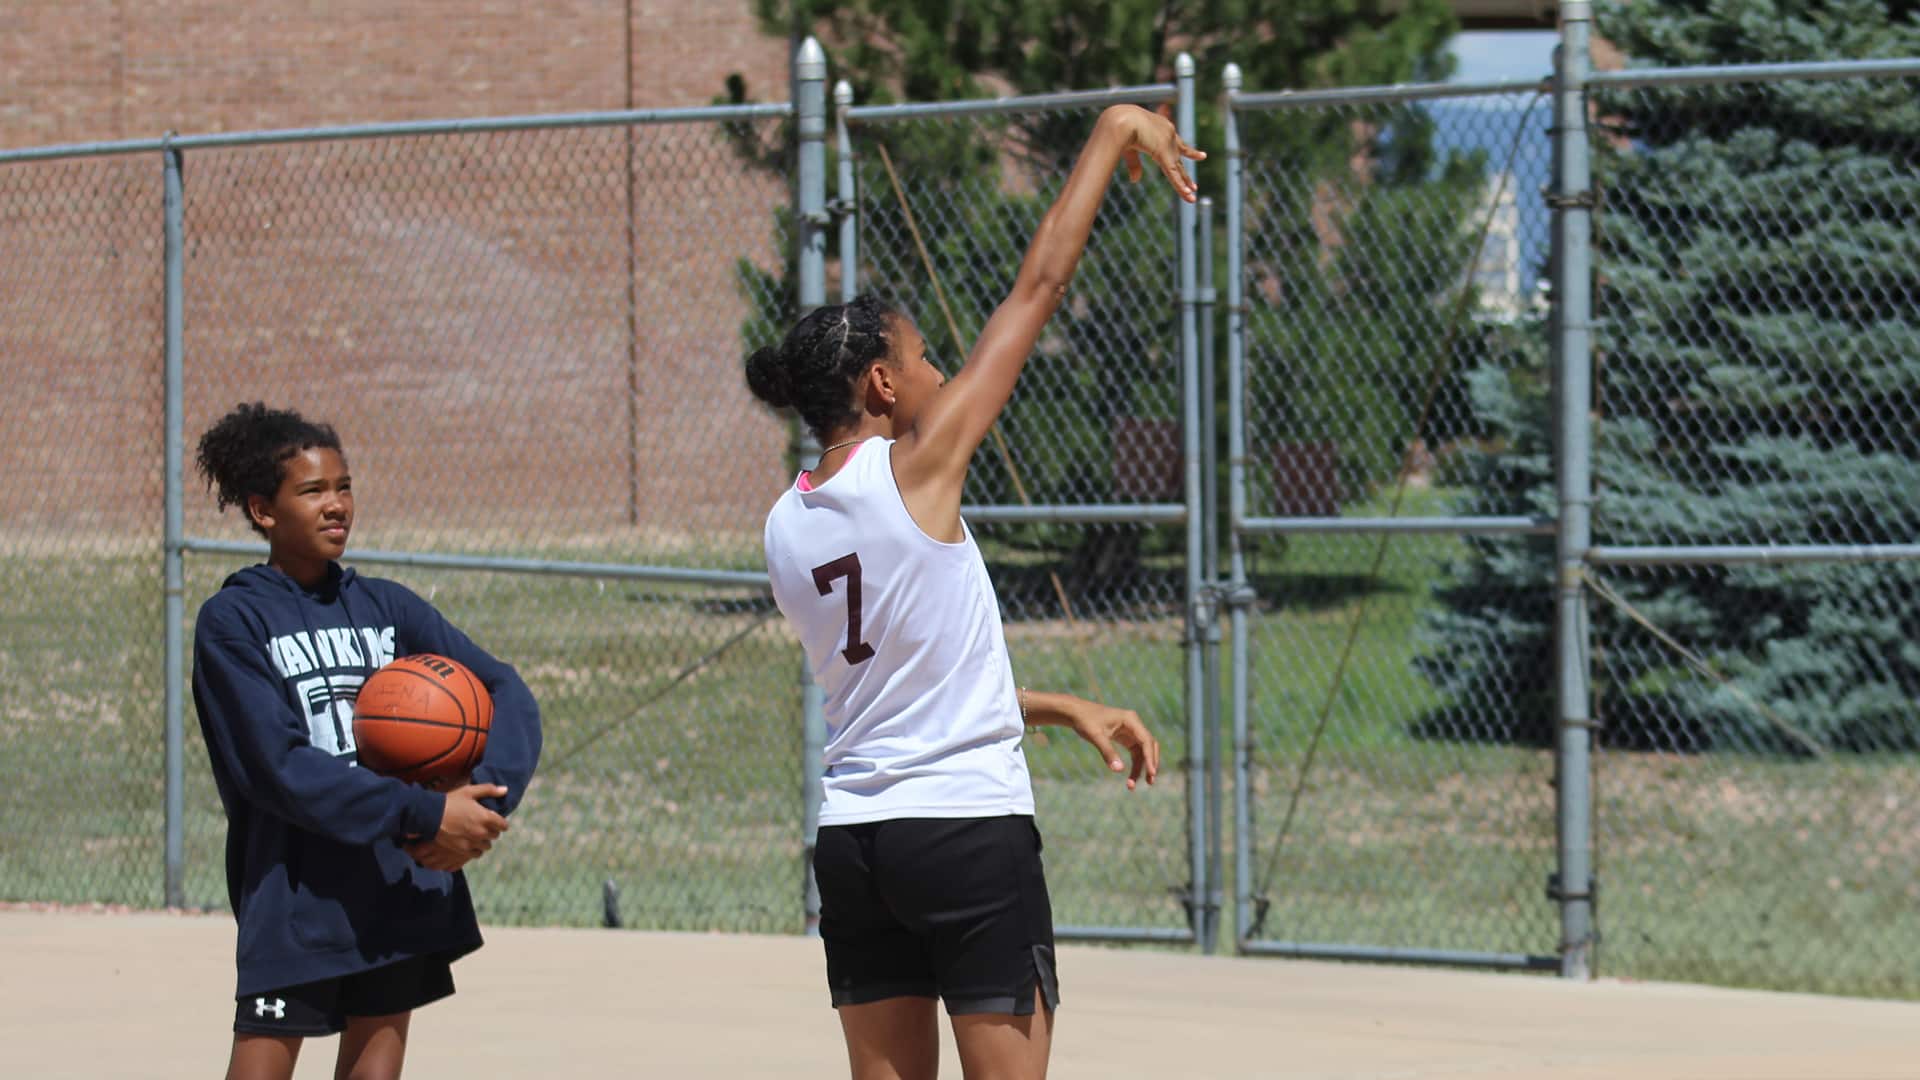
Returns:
(245, 452)
(814, 370)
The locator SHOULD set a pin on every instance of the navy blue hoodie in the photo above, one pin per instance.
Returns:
(319, 882)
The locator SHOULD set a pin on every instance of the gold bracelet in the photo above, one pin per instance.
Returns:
(1020, 696)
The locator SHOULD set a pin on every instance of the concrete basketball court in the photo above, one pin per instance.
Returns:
(147, 995)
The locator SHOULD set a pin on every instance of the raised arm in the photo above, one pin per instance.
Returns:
(930, 462)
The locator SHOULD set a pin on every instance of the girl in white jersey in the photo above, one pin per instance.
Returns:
(928, 859)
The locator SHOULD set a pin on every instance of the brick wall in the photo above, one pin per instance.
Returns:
(459, 307)
(83, 70)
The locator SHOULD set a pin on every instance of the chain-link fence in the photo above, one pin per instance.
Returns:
(80, 627)
(495, 321)
(1389, 245)
(1757, 385)
(529, 335)
(1409, 449)
(494, 315)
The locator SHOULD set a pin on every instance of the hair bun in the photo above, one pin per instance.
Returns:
(770, 377)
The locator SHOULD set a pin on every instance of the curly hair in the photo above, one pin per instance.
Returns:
(245, 452)
(814, 370)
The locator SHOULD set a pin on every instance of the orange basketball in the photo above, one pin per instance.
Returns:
(423, 719)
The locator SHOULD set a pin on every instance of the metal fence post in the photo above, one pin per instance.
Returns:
(1197, 617)
(1210, 570)
(1572, 204)
(810, 227)
(810, 107)
(174, 700)
(1209, 413)
(848, 191)
(1237, 512)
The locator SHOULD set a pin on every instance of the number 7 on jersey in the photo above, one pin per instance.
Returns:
(846, 566)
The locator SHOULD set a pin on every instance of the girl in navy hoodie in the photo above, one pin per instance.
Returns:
(346, 885)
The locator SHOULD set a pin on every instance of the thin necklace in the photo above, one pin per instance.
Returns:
(836, 446)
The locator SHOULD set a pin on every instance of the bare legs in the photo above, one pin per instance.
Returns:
(894, 1039)
(372, 1048)
(899, 1039)
(262, 1057)
(997, 1046)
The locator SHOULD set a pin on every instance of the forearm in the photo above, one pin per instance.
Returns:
(1062, 236)
(310, 788)
(1108, 729)
(264, 749)
(1039, 708)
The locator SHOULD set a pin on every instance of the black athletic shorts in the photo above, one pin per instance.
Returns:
(954, 908)
(322, 1008)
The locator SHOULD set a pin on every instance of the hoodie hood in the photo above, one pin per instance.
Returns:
(261, 576)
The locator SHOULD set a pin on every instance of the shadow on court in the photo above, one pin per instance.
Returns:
(147, 995)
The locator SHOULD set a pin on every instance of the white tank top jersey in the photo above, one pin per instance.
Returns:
(902, 632)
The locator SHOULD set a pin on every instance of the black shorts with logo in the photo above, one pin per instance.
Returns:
(954, 908)
(323, 1007)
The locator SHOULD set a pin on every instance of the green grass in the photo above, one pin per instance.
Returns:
(674, 774)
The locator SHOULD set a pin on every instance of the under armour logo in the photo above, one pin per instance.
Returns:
(278, 1008)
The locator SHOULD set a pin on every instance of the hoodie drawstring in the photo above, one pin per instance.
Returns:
(360, 644)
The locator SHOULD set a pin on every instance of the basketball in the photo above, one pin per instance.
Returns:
(422, 719)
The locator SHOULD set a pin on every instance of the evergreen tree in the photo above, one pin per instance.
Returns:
(941, 50)
(1757, 379)
(1490, 638)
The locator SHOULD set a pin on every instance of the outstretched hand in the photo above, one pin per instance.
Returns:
(1104, 726)
(1153, 135)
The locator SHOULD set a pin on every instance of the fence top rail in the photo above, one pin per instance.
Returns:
(400, 129)
(433, 560)
(1369, 95)
(1628, 79)
(1151, 94)
(1635, 78)
(1741, 554)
